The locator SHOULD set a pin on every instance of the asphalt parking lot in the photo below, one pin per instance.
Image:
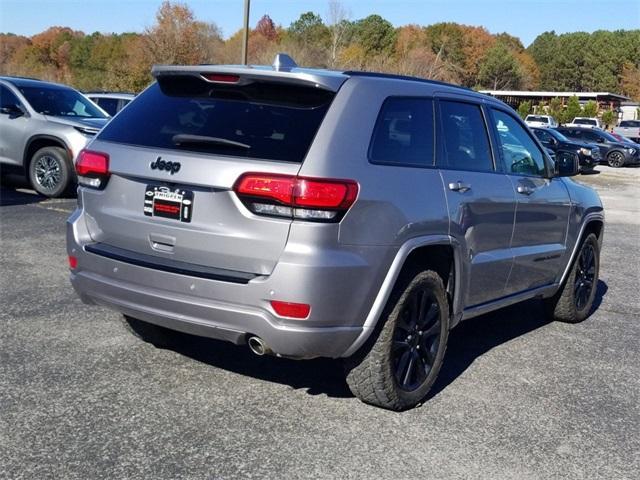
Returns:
(518, 397)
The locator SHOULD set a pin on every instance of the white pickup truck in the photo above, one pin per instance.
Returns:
(629, 129)
(585, 122)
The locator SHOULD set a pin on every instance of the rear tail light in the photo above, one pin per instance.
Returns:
(313, 199)
(92, 169)
(73, 262)
(291, 310)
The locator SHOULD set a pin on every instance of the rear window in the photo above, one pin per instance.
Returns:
(532, 118)
(109, 105)
(584, 121)
(259, 120)
(630, 123)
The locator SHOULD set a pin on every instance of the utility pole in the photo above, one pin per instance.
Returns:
(245, 34)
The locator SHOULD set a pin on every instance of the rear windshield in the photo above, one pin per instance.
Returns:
(584, 121)
(630, 123)
(532, 118)
(258, 120)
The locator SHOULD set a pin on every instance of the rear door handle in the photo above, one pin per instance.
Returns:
(524, 190)
(459, 186)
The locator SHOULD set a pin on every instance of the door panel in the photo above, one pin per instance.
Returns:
(539, 237)
(481, 201)
(13, 130)
(543, 207)
(481, 218)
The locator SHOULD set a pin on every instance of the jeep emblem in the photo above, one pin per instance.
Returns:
(159, 164)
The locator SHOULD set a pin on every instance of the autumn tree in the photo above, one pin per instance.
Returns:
(499, 70)
(338, 25)
(10, 44)
(263, 41)
(476, 42)
(266, 28)
(178, 38)
(630, 80)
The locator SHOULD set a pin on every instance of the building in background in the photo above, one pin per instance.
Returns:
(605, 100)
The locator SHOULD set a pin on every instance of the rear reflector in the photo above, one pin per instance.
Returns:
(315, 199)
(73, 262)
(92, 168)
(221, 77)
(291, 310)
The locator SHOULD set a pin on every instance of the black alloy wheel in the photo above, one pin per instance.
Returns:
(585, 276)
(416, 340)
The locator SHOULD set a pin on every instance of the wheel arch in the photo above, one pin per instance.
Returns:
(36, 142)
(592, 223)
(440, 253)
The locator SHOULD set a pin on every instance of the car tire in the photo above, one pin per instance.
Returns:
(391, 371)
(574, 301)
(50, 171)
(615, 159)
(156, 335)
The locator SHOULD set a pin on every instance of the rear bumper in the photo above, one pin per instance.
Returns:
(340, 290)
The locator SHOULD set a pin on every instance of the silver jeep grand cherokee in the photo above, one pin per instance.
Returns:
(310, 213)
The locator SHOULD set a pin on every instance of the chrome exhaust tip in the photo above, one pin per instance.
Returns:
(257, 346)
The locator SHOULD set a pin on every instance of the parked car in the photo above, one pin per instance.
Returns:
(541, 121)
(111, 103)
(290, 210)
(615, 152)
(43, 126)
(629, 129)
(588, 153)
(585, 122)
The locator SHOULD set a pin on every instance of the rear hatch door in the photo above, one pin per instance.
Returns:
(175, 154)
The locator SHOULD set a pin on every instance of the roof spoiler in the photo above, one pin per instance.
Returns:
(284, 70)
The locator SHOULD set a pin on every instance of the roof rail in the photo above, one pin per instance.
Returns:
(392, 76)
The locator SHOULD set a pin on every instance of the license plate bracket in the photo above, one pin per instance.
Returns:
(165, 202)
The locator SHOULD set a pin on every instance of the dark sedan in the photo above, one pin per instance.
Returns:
(588, 153)
(615, 152)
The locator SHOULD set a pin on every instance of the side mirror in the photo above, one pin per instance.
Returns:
(12, 110)
(567, 164)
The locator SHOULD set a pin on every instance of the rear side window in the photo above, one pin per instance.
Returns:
(465, 142)
(403, 134)
(258, 120)
(592, 136)
(570, 133)
(543, 136)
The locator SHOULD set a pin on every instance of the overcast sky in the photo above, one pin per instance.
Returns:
(522, 18)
